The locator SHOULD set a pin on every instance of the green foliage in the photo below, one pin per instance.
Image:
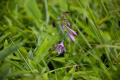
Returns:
(29, 34)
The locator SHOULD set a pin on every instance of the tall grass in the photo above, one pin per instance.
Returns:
(29, 34)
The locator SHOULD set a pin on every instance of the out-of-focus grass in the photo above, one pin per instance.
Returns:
(29, 33)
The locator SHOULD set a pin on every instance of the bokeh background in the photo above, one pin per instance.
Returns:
(29, 33)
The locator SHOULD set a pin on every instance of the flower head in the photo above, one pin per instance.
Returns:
(63, 16)
(60, 47)
(73, 32)
(68, 24)
(59, 18)
(71, 37)
(66, 27)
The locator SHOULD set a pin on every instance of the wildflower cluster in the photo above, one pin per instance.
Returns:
(66, 27)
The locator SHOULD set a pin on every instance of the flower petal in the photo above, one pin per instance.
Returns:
(73, 32)
(68, 24)
(63, 16)
(58, 18)
(71, 37)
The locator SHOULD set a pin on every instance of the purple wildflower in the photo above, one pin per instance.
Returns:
(73, 32)
(68, 24)
(71, 37)
(59, 18)
(63, 16)
(60, 47)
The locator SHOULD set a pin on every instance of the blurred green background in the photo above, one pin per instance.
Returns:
(29, 33)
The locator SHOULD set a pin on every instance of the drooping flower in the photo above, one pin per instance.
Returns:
(73, 32)
(68, 24)
(60, 47)
(63, 16)
(71, 37)
(59, 18)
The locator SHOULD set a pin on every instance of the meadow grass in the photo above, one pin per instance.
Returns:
(29, 34)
